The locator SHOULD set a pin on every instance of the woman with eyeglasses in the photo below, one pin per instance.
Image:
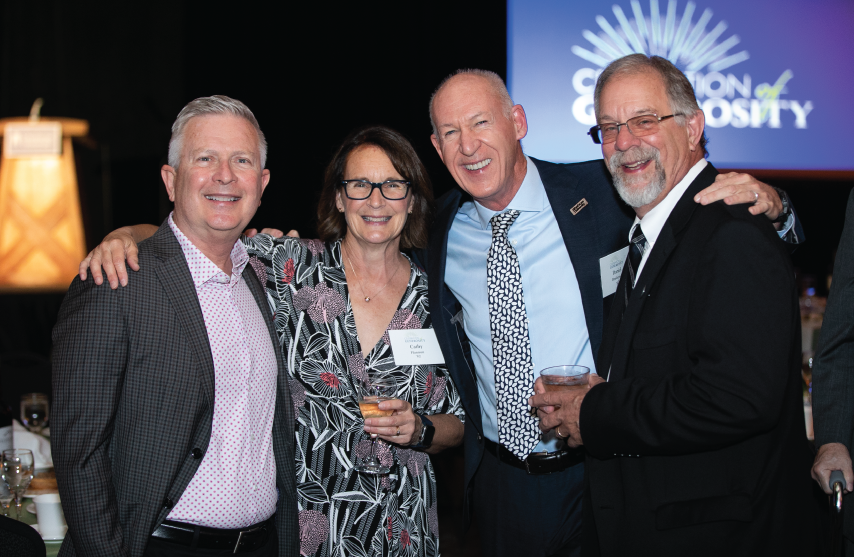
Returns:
(334, 301)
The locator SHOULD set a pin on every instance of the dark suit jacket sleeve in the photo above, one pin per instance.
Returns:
(833, 369)
(730, 386)
(89, 359)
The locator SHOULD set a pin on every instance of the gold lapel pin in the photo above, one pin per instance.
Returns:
(578, 207)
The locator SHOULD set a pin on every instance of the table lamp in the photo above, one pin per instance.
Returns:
(41, 229)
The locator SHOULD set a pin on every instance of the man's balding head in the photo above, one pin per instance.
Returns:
(499, 89)
(477, 130)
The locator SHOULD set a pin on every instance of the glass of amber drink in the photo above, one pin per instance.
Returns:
(376, 389)
(565, 378)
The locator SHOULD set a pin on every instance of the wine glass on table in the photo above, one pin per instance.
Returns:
(18, 467)
(376, 389)
(34, 411)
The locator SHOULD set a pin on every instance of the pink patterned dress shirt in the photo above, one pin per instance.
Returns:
(235, 485)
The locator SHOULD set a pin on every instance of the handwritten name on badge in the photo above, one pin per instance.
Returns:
(415, 347)
(611, 268)
(578, 206)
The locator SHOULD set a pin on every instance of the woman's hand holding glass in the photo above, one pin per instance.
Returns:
(402, 428)
(372, 393)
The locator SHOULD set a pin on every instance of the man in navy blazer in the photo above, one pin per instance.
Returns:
(528, 506)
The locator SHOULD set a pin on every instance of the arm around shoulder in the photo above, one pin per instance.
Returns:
(118, 246)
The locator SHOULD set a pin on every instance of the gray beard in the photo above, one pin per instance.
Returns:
(629, 189)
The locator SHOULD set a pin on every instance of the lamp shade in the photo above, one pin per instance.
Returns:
(41, 229)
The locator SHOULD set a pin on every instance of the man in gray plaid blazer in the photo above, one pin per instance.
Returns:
(173, 426)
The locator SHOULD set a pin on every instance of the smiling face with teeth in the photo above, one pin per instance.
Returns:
(375, 220)
(478, 141)
(218, 184)
(645, 169)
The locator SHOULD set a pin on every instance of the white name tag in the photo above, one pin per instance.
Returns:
(27, 139)
(415, 347)
(610, 268)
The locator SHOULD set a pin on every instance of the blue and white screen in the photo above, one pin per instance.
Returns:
(775, 78)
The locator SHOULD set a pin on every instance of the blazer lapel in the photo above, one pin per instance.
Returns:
(257, 289)
(666, 242)
(443, 307)
(284, 413)
(612, 328)
(581, 236)
(438, 250)
(174, 275)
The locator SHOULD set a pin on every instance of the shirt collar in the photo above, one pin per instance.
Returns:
(205, 270)
(530, 197)
(654, 220)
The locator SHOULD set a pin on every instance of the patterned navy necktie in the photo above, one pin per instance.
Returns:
(511, 346)
(636, 250)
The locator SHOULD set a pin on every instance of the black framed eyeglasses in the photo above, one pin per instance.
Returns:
(392, 190)
(639, 126)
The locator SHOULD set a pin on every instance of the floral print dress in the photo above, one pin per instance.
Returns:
(343, 512)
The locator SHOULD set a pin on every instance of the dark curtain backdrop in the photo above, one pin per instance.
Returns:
(311, 72)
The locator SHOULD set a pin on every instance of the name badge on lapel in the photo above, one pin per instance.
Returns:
(415, 347)
(578, 206)
(610, 269)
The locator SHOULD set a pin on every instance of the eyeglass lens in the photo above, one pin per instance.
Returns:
(639, 126)
(362, 189)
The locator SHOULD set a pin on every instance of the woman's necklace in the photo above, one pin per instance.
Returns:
(362, 288)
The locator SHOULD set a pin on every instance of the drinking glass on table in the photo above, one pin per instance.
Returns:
(371, 392)
(564, 378)
(18, 467)
(34, 411)
(6, 496)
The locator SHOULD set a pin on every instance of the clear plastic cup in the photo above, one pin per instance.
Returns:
(564, 378)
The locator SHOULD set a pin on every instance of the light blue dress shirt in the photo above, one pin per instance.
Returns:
(556, 327)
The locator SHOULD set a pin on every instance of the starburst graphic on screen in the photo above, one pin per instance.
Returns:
(690, 45)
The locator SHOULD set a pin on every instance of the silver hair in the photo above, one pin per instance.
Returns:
(495, 82)
(209, 106)
(680, 93)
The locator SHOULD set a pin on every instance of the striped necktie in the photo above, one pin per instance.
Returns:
(636, 250)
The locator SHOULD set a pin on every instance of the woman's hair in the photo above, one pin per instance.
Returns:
(332, 226)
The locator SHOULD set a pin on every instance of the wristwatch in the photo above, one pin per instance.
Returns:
(787, 206)
(427, 432)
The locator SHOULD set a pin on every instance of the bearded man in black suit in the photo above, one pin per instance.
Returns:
(695, 434)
